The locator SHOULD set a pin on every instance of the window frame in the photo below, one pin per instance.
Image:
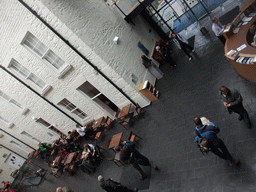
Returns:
(14, 103)
(61, 71)
(49, 126)
(30, 136)
(6, 122)
(28, 77)
(72, 109)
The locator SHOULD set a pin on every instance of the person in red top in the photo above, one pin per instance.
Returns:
(63, 152)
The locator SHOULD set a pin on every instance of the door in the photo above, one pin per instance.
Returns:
(99, 98)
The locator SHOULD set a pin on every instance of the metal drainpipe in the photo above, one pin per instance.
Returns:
(39, 94)
(17, 139)
(13, 151)
(74, 49)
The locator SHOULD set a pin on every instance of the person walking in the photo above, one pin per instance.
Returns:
(215, 144)
(129, 155)
(233, 102)
(110, 185)
(183, 44)
(218, 29)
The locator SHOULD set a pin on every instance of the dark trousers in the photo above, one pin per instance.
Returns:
(183, 46)
(239, 109)
(221, 151)
(222, 39)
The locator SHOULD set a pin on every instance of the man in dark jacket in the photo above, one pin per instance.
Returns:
(233, 101)
(110, 185)
(216, 145)
(130, 155)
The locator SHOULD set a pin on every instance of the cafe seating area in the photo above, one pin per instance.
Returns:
(84, 148)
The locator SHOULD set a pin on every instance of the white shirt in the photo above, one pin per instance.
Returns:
(81, 131)
(217, 29)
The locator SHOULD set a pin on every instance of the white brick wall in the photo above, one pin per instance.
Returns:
(93, 38)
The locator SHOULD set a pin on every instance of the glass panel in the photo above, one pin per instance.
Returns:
(53, 59)
(4, 120)
(33, 43)
(5, 96)
(19, 68)
(165, 29)
(43, 122)
(89, 89)
(158, 4)
(192, 3)
(151, 10)
(36, 80)
(16, 103)
(80, 113)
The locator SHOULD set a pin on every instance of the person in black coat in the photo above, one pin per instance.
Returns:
(129, 155)
(110, 185)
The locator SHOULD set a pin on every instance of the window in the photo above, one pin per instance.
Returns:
(6, 122)
(15, 143)
(49, 126)
(29, 76)
(72, 108)
(53, 60)
(13, 102)
(22, 147)
(30, 136)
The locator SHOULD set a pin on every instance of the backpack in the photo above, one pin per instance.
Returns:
(203, 144)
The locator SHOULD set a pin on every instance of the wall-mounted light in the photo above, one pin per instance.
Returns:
(116, 39)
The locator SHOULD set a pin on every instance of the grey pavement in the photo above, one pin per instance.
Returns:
(187, 91)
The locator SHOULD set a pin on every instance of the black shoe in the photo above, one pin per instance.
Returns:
(240, 118)
(249, 125)
(234, 163)
(143, 177)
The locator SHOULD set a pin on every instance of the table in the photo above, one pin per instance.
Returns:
(70, 158)
(115, 140)
(99, 122)
(125, 111)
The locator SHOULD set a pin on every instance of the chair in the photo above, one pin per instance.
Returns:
(138, 112)
(98, 136)
(132, 136)
(126, 121)
(117, 159)
(108, 143)
(55, 172)
(109, 123)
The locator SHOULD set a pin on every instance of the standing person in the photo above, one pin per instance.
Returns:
(110, 185)
(129, 155)
(183, 44)
(233, 102)
(218, 29)
(215, 144)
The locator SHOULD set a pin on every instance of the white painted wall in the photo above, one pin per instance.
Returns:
(96, 24)
(93, 38)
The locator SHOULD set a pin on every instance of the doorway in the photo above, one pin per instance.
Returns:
(100, 99)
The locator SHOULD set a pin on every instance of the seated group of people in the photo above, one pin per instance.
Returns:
(66, 143)
(163, 53)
